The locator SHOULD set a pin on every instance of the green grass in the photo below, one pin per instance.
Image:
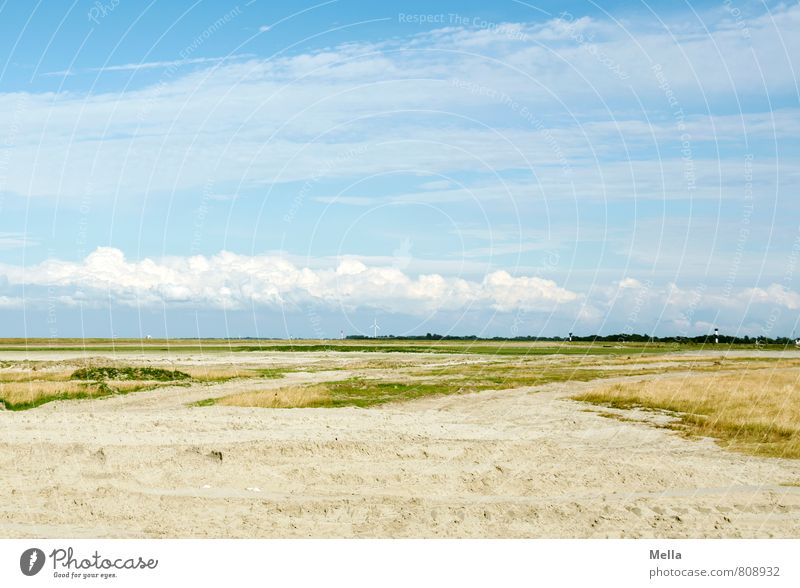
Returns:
(16, 406)
(272, 372)
(362, 393)
(84, 383)
(479, 349)
(487, 347)
(369, 346)
(475, 377)
(129, 373)
(365, 392)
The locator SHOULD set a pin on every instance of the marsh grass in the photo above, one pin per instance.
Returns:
(271, 372)
(28, 384)
(482, 348)
(127, 386)
(213, 373)
(28, 375)
(754, 411)
(33, 393)
(216, 373)
(365, 392)
(25, 389)
(287, 397)
(487, 347)
(500, 376)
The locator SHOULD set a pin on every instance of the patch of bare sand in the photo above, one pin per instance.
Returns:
(521, 463)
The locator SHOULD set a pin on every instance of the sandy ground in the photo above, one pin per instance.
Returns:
(520, 463)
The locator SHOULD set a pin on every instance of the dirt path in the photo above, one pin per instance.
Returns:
(521, 463)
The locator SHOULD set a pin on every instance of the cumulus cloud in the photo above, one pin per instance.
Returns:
(232, 281)
(775, 294)
(276, 282)
(644, 306)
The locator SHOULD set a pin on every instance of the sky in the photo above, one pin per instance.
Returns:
(305, 169)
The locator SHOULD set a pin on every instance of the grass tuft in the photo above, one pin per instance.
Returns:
(26, 395)
(288, 397)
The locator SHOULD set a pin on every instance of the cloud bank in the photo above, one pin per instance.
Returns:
(232, 281)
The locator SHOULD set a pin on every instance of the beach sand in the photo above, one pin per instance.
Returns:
(517, 463)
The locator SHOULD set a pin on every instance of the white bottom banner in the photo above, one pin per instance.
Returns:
(354, 563)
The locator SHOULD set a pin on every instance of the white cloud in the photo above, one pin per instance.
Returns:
(231, 281)
(176, 63)
(274, 282)
(15, 241)
(642, 306)
(775, 294)
(630, 283)
(11, 303)
(509, 293)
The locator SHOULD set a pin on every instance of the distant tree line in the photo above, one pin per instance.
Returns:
(616, 338)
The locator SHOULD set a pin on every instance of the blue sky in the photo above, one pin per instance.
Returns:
(265, 169)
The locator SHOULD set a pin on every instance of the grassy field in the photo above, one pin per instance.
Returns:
(23, 389)
(482, 347)
(466, 378)
(28, 384)
(749, 403)
(752, 410)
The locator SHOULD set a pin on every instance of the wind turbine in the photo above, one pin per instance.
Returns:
(375, 328)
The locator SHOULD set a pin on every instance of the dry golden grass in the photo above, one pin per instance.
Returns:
(217, 373)
(214, 373)
(30, 375)
(288, 397)
(32, 393)
(692, 363)
(756, 411)
(31, 384)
